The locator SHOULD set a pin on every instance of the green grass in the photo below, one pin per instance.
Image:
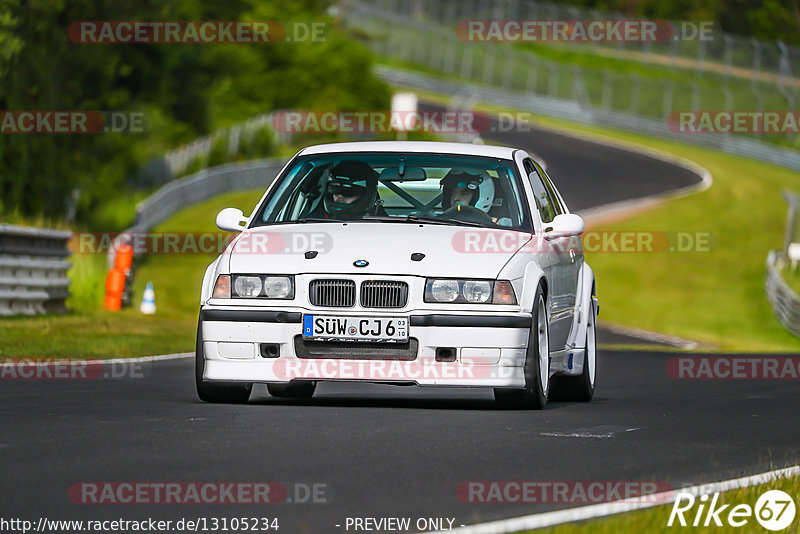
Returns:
(655, 519)
(117, 213)
(90, 331)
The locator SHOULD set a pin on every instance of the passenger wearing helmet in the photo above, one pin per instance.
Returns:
(460, 188)
(465, 194)
(350, 193)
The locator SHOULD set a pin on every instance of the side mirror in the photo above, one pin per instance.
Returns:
(564, 225)
(231, 219)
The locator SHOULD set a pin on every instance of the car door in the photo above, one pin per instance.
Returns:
(574, 249)
(556, 254)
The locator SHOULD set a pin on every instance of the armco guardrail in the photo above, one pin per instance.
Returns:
(785, 302)
(33, 270)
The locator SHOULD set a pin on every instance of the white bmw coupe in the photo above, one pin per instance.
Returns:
(409, 263)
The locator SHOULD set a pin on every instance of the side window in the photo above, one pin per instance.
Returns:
(549, 185)
(544, 200)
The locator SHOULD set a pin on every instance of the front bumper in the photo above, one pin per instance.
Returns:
(490, 349)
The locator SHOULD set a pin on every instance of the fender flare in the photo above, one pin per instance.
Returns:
(534, 275)
(587, 290)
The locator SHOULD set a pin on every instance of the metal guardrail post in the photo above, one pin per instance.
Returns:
(792, 200)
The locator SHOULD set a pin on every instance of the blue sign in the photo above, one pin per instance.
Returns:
(308, 325)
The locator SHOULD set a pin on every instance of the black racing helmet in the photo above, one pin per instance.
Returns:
(460, 178)
(351, 178)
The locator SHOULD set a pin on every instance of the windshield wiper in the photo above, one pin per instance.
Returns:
(314, 220)
(421, 219)
(445, 220)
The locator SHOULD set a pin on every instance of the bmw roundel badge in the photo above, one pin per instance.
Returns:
(360, 263)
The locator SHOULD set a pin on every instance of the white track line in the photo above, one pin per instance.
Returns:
(646, 335)
(114, 361)
(548, 519)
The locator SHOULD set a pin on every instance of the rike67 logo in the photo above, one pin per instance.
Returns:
(774, 510)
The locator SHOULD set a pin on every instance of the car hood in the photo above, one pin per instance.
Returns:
(387, 248)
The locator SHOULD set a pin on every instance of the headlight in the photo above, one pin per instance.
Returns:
(251, 286)
(469, 291)
(479, 291)
(247, 286)
(444, 290)
(278, 287)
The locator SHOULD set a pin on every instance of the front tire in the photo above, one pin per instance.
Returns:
(293, 390)
(537, 365)
(580, 388)
(216, 392)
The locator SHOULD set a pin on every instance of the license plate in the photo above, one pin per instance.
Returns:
(337, 327)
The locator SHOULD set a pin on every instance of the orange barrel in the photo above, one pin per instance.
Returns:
(115, 284)
(124, 258)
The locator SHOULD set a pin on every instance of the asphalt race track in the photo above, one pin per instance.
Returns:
(390, 451)
(380, 450)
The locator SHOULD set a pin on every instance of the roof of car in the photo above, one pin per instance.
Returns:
(432, 147)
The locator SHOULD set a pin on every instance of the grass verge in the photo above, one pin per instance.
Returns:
(655, 519)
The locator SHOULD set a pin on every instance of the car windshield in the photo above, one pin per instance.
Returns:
(398, 188)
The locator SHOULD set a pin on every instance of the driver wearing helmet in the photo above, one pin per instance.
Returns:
(350, 193)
